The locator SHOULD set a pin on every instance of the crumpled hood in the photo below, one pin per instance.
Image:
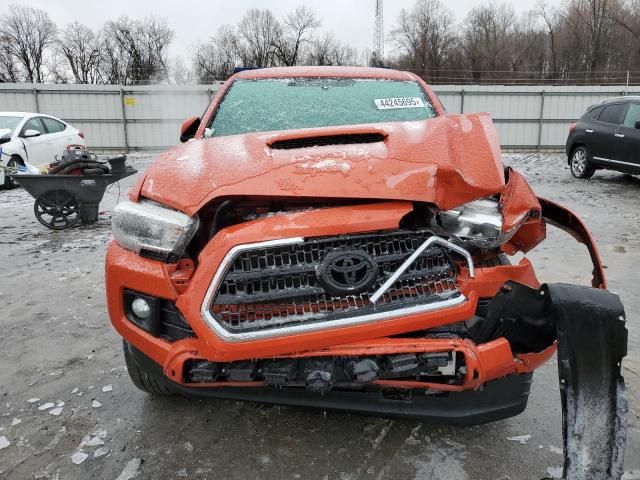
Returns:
(447, 161)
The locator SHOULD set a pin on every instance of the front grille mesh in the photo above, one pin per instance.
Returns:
(266, 288)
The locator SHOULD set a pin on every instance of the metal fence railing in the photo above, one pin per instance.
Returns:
(116, 118)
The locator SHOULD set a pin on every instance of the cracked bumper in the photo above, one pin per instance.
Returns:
(497, 400)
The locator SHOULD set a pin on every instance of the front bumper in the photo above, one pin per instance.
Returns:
(498, 399)
(188, 290)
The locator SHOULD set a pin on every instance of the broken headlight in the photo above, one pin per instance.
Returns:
(475, 224)
(152, 230)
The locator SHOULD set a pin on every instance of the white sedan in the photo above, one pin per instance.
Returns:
(32, 139)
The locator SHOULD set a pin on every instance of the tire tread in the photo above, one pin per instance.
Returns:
(146, 382)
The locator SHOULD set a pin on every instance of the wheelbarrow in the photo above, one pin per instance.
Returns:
(64, 200)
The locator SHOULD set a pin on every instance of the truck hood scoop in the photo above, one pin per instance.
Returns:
(322, 140)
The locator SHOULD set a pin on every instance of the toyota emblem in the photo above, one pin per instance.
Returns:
(347, 272)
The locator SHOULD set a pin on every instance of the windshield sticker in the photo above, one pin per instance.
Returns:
(401, 102)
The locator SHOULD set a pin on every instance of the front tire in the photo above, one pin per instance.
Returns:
(146, 381)
(9, 183)
(580, 163)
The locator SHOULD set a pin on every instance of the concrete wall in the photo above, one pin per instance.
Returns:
(117, 118)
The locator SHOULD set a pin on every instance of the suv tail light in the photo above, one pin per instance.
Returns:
(81, 135)
(572, 127)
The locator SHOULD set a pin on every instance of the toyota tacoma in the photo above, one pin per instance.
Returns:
(331, 237)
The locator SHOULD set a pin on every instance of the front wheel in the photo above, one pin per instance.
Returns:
(12, 164)
(580, 164)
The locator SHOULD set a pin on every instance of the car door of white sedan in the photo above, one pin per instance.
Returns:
(39, 149)
(61, 134)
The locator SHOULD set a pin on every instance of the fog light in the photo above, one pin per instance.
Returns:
(141, 308)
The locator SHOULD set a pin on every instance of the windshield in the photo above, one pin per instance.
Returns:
(285, 104)
(9, 123)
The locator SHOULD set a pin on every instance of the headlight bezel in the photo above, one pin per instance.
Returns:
(153, 230)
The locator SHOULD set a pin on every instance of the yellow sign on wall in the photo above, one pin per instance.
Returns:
(129, 101)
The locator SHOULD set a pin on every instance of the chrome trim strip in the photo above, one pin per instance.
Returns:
(426, 244)
(617, 161)
(232, 337)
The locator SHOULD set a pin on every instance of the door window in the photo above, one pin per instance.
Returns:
(53, 126)
(34, 124)
(612, 113)
(594, 112)
(632, 116)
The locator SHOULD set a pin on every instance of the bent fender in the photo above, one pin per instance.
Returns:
(566, 220)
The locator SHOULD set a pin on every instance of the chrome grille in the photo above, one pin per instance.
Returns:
(269, 287)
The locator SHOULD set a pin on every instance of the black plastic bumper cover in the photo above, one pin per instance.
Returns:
(497, 400)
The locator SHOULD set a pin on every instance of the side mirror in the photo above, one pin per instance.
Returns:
(31, 133)
(5, 135)
(638, 124)
(189, 128)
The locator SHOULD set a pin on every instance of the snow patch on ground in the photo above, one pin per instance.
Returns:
(4, 442)
(78, 457)
(523, 439)
(131, 470)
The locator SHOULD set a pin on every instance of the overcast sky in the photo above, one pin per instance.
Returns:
(350, 20)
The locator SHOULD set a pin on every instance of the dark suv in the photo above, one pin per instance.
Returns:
(607, 136)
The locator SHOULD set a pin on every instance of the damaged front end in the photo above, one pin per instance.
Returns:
(390, 295)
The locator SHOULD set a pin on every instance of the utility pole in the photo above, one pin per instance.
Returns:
(626, 88)
(378, 35)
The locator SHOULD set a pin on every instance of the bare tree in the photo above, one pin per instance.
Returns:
(487, 39)
(8, 68)
(629, 20)
(528, 52)
(257, 32)
(28, 33)
(83, 51)
(593, 20)
(158, 36)
(426, 37)
(326, 50)
(344, 55)
(577, 41)
(216, 59)
(180, 73)
(550, 18)
(295, 32)
(135, 52)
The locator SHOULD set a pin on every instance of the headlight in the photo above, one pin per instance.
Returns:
(152, 230)
(475, 224)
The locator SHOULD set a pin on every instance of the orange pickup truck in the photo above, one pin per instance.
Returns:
(331, 237)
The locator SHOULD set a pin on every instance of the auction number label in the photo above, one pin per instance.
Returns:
(400, 102)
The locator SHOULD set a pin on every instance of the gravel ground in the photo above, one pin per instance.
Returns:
(69, 411)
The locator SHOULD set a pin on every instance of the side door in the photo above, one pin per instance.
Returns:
(36, 147)
(603, 140)
(628, 138)
(59, 133)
